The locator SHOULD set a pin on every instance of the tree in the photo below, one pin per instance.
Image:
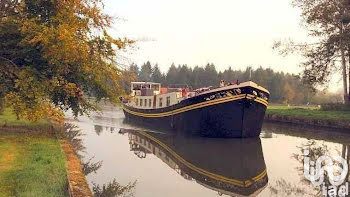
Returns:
(185, 75)
(210, 76)
(276, 87)
(54, 53)
(247, 74)
(288, 93)
(157, 76)
(198, 76)
(135, 69)
(146, 72)
(326, 21)
(228, 75)
(171, 77)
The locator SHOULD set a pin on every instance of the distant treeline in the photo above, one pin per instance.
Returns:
(283, 87)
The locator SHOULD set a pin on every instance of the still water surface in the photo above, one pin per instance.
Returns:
(168, 165)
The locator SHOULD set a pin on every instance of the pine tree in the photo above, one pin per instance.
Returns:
(172, 75)
(157, 76)
(135, 69)
(146, 72)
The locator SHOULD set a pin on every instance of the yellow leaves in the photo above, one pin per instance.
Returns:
(30, 100)
(13, 100)
(70, 89)
(67, 51)
(38, 111)
(289, 93)
(35, 32)
(55, 115)
(122, 43)
(28, 85)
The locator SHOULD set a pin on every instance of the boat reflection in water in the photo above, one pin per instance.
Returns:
(234, 167)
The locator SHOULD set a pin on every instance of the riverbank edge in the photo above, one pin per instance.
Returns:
(77, 185)
(326, 123)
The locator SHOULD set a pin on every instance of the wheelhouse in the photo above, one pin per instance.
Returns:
(149, 95)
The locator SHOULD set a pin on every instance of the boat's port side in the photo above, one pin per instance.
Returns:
(225, 113)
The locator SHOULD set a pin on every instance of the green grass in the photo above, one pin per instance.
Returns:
(31, 165)
(308, 112)
(7, 118)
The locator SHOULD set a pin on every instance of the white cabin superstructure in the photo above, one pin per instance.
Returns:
(147, 95)
(136, 87)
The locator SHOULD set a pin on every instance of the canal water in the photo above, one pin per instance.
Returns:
(153, 164)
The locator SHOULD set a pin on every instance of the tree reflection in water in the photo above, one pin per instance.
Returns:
(282, 187)
(73, 134)
(98, 129)
(90, 166)
(112, 189)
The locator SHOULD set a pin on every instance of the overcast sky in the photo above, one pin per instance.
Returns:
(237, 33)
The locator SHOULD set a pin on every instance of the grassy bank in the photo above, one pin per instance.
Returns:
(31, 165)
(309, 116)
(308, 112)
(8, 119)
(31, 161)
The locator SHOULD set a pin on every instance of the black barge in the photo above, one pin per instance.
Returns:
(230, 111)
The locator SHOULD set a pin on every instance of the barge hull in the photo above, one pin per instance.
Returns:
(237, 118)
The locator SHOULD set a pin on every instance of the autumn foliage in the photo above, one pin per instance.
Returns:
(54, 53)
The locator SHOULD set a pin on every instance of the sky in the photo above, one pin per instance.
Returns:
(236, 33)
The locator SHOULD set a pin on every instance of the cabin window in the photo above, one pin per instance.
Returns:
(155, 87)
(141, 100)
(160, 102)
(137, 102)
(149, 102)
(168, 101)
(145, 102)
(136, 86)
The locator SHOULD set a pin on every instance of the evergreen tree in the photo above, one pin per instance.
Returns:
(172, 75)
(228, 75)
(198, 77)
(134, 68)
(146, 72)
(210, 76)
(185, 75)
(157, 76)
